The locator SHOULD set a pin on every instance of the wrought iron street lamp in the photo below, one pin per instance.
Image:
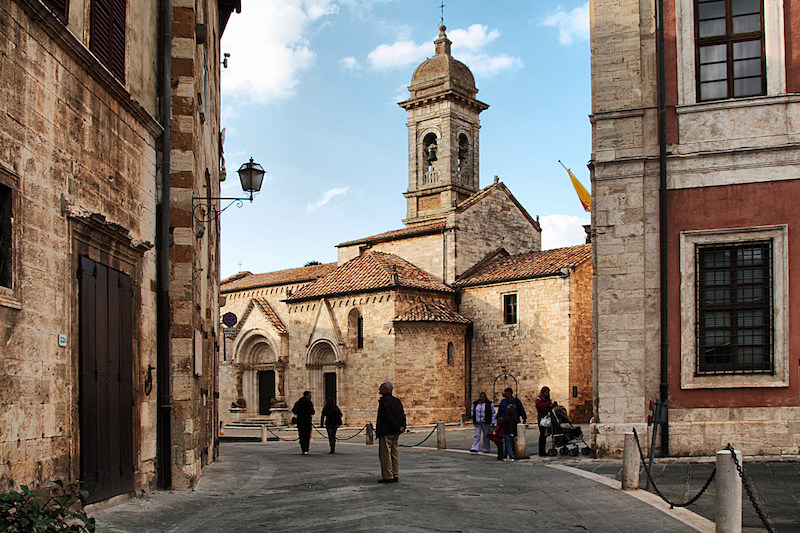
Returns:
(251, 174)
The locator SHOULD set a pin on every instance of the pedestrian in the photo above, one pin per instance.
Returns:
(543, 406)
(508, 425)
(331, 419)
(390, 424)
(303, 410)
(510, 399)
(482, 419)
(497, 437)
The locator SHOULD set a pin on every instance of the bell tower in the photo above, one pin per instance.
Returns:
(443, 130)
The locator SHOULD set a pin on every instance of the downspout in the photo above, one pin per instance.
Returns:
(662, 201)
(164, 413)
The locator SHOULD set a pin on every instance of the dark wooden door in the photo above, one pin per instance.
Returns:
(266, 390)
(330, 386)
(106, 380)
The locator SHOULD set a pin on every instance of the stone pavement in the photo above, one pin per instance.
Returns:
(271, 487)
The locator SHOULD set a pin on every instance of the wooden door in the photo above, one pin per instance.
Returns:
(106, 380)
(330, 387)
(266, 390)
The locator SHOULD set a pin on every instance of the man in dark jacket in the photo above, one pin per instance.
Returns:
(390, 424)
(510, 399)
(304, 410)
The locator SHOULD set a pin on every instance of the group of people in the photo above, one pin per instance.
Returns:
(502, 427)
(390, 424)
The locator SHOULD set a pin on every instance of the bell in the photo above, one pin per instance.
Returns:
(430, 153)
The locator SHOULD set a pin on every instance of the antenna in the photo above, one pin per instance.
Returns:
(441, 19)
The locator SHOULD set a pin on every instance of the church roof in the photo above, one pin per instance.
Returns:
(246, 280)
(371, 271)
(414, 231)
(497, 185)
(272, 316)
(431, 312)
(525, 266)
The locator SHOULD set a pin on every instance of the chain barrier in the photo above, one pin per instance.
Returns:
(672, 504)
(279, 437)
(342, 438)
(420, 443)
(759, 511)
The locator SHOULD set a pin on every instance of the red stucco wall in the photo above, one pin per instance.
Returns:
(733, 206)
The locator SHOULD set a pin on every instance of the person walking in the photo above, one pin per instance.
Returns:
(390, 424)
(331, 419)
(543, 406)
(304, 411)
(508, 425)
(482, 419)
(510, 399)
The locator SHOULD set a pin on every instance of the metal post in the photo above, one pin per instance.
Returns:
(370, 434)
(441, 438)
(728, 504)
(630, 464)
(520, 450)
(656, 425)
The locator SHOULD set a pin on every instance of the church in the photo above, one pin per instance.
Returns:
(460, 300)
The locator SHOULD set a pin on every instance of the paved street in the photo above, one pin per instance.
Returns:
(271, 487)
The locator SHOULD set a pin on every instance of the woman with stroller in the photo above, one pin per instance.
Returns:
(331, 419)
(543, 406)
(508, 425)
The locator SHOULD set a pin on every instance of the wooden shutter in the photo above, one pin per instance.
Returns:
(59, 7)
(107, 34)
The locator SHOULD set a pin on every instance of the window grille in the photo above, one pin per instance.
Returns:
(734, 308)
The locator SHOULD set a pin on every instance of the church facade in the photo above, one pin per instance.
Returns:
(459, 301)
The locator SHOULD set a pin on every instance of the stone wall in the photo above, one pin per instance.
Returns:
(425, 252)
(535, 350)
(78, 150)
(580, 343)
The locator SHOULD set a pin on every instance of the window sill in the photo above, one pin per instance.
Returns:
(8, 299)
(734, 103)
(735, 381)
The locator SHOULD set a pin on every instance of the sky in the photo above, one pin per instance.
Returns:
(311, 91)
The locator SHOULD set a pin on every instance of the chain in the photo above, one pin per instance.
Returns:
(672, 505)
(767, 523)
(340, 438)
(279, 437)
(420, 443)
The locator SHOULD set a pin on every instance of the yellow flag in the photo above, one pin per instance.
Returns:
(583, 195)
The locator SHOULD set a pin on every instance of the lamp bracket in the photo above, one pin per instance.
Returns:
(202, 211)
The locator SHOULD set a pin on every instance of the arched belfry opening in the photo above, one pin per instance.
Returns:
(324, 364)
(443, 166)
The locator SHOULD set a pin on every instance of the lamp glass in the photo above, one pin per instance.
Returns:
(251, 175)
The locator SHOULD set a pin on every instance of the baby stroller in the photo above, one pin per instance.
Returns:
(567, 438)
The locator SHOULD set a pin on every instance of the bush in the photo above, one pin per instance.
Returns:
(59, 508)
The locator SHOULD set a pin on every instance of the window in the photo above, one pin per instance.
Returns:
(6, 236)
(510, 308)
(734, 307)
(360, 333)
(451, 355)
(107, 35)
(60, 8)
(730, 55)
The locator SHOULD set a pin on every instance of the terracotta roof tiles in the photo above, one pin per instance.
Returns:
(430, 312)
(528, 265)
(399, 234)
(239, 282)
(273, 317)
(368, 272)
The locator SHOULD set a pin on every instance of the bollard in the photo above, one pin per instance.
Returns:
(630, 464)
(441, 439)
(370, 434)
(263, 433)
(463, 420)
(728, 504)
(520, 448)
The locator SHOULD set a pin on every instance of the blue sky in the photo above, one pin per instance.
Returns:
(311, 93)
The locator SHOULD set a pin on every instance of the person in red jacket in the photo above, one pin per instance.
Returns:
(543, 406)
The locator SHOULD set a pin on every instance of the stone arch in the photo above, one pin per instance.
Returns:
(355, 330)
(255, 352)
(324, 364)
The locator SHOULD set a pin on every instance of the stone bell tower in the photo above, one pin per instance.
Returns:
(443, 130)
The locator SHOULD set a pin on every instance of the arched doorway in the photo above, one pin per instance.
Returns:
(257, 374)
(323, 370)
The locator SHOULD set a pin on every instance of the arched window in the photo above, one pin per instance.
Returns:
(355, 330)
(463, 149)
(451, 356)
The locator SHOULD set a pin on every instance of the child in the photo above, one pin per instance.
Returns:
(508, 425)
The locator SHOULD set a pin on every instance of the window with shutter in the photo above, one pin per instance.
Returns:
(60, 8)
(107, 34)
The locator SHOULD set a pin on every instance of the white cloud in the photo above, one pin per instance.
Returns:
(349, 63)
(398, 54)
(562, 230)
(572, 25)
(326, 197)
(467, 47)
(267, 47)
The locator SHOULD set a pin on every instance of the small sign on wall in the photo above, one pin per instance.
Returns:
(62, 340)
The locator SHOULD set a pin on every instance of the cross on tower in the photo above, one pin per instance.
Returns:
(441, 19)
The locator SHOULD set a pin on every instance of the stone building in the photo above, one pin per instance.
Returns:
(441, 306)
(109, 125)
(695, 143)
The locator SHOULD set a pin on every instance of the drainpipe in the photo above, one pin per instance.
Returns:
(164, 413)
(662, 199)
